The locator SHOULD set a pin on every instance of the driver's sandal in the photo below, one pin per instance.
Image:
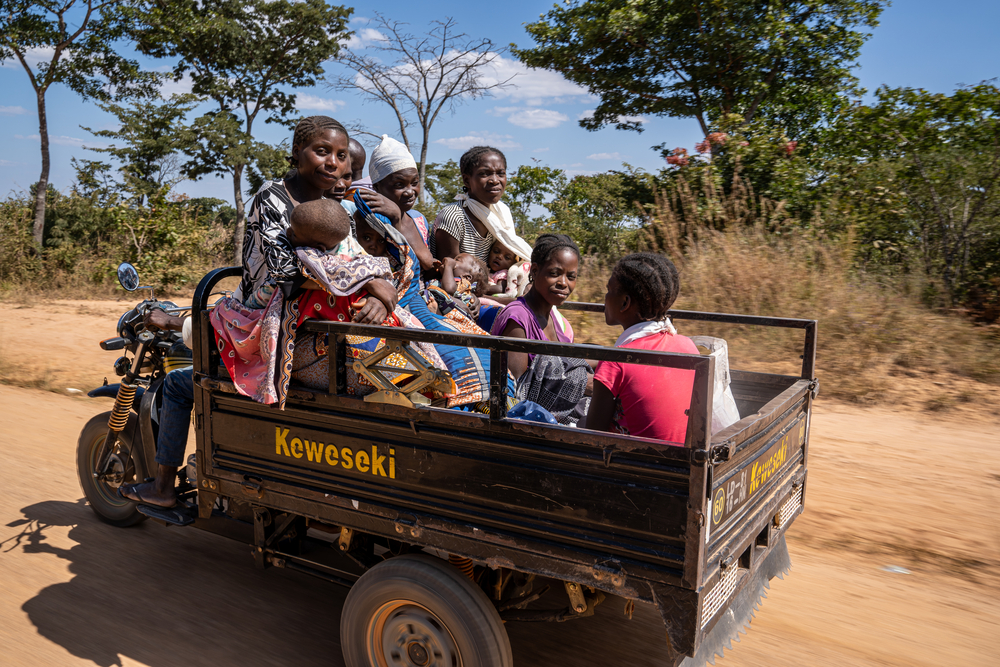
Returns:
(136, 494)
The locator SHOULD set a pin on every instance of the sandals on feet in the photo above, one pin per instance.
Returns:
(132, 492)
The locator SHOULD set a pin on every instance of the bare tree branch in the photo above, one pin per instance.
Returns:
(419, 77)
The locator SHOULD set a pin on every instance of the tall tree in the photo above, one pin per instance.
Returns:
(71, 42)
(787, 59)
(418, 77)
(937, 162)
(243, 55)
(147, 143)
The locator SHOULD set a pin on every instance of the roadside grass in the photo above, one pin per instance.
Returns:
(739, 254)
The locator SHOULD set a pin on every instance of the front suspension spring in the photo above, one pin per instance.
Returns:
(123, 406)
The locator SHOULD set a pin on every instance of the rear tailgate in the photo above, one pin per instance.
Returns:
(753, 498)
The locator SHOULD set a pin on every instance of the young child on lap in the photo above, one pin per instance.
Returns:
(322, 224)
(464, 277)
(644, 401)
(508, 274)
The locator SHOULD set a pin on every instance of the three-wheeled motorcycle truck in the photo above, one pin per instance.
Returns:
(447, 524)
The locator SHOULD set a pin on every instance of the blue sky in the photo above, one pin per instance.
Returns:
(920, 43)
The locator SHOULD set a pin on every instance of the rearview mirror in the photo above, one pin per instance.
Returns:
(128, 277)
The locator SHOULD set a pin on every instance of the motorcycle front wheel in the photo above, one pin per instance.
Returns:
(101, 487)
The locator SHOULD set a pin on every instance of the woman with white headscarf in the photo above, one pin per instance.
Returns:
(396, 183)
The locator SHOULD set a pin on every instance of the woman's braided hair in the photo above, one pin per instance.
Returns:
(309, 127)
(651, 280)
(547, 244)
(473, 157)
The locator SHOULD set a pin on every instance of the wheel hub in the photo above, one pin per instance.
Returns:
(114, 472)
(404, 634)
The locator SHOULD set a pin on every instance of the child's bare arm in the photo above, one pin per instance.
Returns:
(448, 281)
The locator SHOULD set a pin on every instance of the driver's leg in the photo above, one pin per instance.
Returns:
(175, 419)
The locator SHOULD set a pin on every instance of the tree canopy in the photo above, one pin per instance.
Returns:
(243, 55)
(789, 60)
(78, 38)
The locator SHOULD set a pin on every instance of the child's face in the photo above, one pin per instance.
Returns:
(401, 187)
(370, 240)
(465, 267)
(339, 190)
(500, 258)
(614, 302)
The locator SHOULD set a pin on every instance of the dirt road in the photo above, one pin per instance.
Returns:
(887, 490)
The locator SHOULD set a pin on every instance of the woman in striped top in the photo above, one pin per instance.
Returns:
(458, 229)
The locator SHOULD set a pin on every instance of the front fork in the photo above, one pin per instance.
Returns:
(124, 401)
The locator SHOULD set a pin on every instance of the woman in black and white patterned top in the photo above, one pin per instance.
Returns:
(320, 156)
(456, 230)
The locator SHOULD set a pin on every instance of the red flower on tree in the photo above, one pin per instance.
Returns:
(678, 157)
(790, 147)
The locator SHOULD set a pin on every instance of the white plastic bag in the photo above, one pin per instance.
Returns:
(724, 411)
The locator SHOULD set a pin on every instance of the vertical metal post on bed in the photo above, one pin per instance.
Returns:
(498, 384)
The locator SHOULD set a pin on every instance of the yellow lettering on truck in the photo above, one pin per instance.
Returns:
(377, 465)
(280, 444)
(314, 451)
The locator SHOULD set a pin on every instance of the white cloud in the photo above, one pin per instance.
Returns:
(32, 56)
(313, 103)
(606, 156)
(12, 111)
(60, 140)
(589, 113)
(531, 86)
(530, 118)
(364, 38)
(537, 119)
(540, 150)
(8, 163)
(171, 87)
(479, 139)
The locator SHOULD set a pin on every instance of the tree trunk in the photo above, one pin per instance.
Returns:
(241, 222)
(423, 171)
(43, 181)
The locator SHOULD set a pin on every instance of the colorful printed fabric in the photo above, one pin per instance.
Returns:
(420, 222)
(247, 338)
(469, 367)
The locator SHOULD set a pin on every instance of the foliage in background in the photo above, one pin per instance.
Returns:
(529, 189)
(78, 40)
(244, 56)
(173, 242)
(922, 173)
(147, 142)
(788, 61)
(442, 182)
(271, 164)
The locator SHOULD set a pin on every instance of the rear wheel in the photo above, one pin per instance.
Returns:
(101, 486)
(420, 611)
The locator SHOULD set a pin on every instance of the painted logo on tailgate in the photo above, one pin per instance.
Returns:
(378, 464)
(731, 495)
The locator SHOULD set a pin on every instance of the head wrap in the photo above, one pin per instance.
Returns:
(389, 157)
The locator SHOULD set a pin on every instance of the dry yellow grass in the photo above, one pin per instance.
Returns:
(738, 253)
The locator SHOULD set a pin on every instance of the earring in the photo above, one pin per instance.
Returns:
(465, 189)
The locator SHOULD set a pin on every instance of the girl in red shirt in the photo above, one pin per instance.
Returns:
(644, 401)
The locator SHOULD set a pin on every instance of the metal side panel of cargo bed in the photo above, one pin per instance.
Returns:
(629, 516)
